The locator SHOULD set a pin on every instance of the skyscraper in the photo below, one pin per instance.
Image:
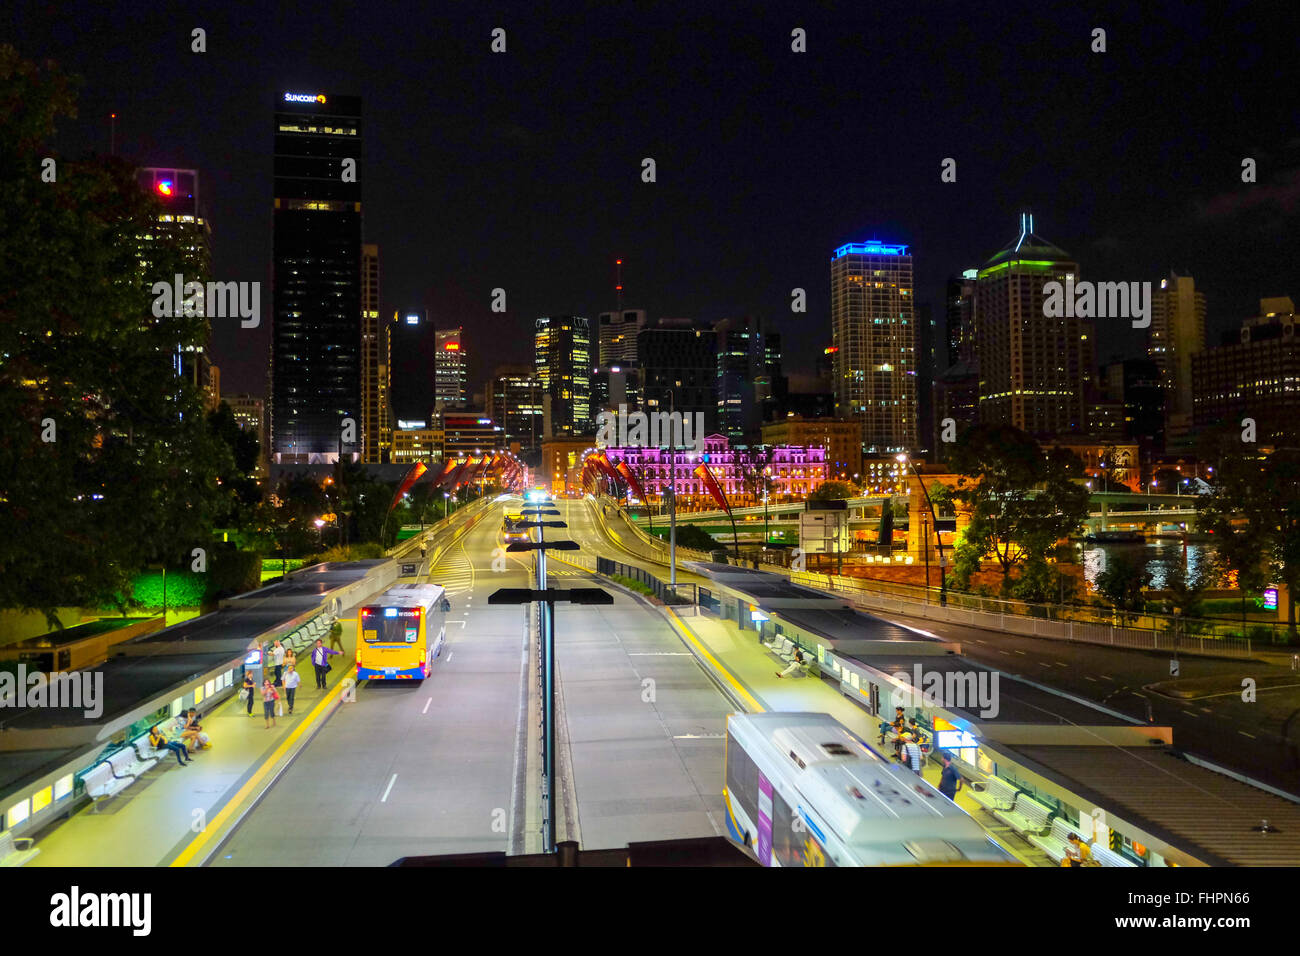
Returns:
(1177, 334)
(1034, 370)
(873, 329)
(1254, 374)
(515, 404)
(376, 363)
(679, 365)
(450, 368)
(562, 346)
(749, 360)
(618, 330)
(960, 308)
(316, 331)
(183, 223)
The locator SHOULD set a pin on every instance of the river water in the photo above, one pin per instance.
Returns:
(1157, 555)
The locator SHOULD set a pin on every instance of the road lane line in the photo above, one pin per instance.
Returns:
(1244, 734)
(387, 789)
(426, 706)
(449, 653)
(1093, 679)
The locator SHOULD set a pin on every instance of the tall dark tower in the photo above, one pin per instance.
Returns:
(316, 334)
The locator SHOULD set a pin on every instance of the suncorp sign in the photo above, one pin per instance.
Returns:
(304, 97)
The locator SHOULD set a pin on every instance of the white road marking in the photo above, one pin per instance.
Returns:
(1022, 653)
(1191, 713)
(698, 736)
(661, 654)
(449, 653)
(1093, 679)
(1244, 734)
(1107, 677)
(426, 706)
(384, 798)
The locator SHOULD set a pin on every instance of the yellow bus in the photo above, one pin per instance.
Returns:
(401, 633)
(512, 527)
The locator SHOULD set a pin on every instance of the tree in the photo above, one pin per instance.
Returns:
(1021, 500)
(1253, 515)
(98, 434)
(1121, 583)
(833, 491)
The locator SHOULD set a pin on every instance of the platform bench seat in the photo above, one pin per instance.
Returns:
(996, 795)
(146, 752)
(1054, 843)
(128, 763)
(1108, 857)
(102, 784)
(1026, 817)
(15, 851)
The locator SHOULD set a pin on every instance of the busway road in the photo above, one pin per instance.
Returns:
(432, 768)
(411, 768)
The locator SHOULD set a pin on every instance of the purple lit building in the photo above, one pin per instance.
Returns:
(793, 470)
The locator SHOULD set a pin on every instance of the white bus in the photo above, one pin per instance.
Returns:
(802, 790)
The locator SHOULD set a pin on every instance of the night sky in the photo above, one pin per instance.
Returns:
(522, 170)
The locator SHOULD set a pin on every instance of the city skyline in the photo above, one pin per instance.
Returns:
(560, 258)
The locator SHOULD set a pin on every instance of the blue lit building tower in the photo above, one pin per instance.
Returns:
(873, 332)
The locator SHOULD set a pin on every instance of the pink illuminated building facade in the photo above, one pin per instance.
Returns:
(793, 470)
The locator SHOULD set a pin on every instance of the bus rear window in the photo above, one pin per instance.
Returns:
(390, 625)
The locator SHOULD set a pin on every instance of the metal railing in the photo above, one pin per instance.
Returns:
(1032, 620)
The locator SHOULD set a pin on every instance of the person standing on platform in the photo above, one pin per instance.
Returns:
(269, 696)
(249, 689)
(277, 658)
(320, 659)
(291, 681)
(950, 779)
(912, 753)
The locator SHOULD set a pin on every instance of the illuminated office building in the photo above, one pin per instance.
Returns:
(376, 364)
(183, 224)
(1255, 374)
(1034, 370)
(1177, 335)
(873, 332)
(316, 336)
(451, 363)
(562, 346)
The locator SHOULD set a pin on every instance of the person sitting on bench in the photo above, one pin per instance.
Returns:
(158, 742)
(795, 663)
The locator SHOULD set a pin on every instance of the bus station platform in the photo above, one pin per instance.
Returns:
(1037, 765)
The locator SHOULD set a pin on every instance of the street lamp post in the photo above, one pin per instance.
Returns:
(938, 540)
(546, 598)
(672, 491)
